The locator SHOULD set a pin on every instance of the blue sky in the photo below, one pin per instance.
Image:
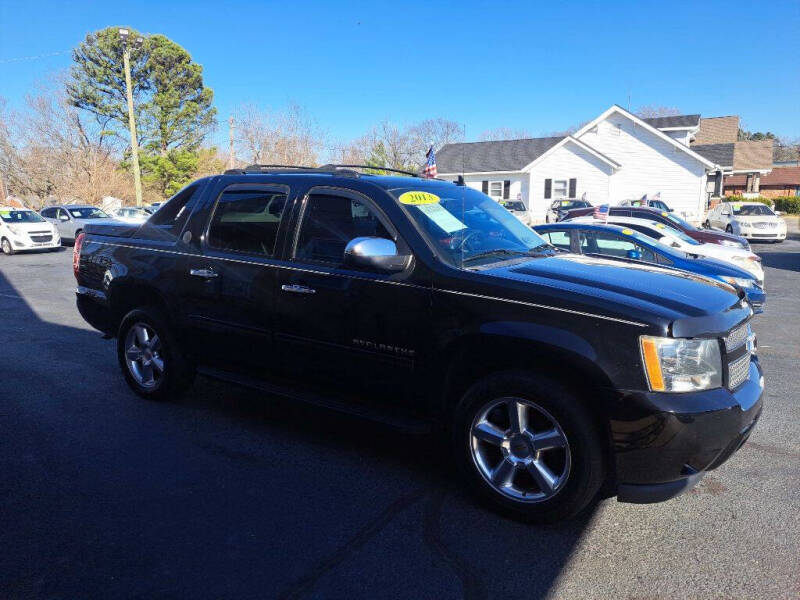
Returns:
(541, 67)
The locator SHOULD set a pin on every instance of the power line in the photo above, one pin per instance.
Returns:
(34, 57)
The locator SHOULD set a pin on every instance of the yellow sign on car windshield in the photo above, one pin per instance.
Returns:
(663, 214)
(627, 231)
(565, 203)
(418, 198)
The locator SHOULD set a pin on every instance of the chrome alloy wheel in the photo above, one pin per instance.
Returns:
(520, 449)
(143, 355)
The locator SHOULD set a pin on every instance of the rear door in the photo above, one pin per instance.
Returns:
(230, 289)
(360, 330)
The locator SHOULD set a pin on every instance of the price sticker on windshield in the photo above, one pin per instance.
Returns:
(565, 203)
(660, 225)
(664, 214)
(5, 213)
(418, 198)
(627, 231)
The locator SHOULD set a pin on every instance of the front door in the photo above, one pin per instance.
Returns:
(357, 330)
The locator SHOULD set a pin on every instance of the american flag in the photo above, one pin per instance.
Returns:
(430, 165)
(657, 196)
(601, 212)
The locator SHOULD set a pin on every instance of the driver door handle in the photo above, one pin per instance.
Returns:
(298, 289)
(204, 273)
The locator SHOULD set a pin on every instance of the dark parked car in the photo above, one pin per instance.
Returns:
(646, 203)
(704, 236)
(417, 301)
(559, 208)
(612, 241)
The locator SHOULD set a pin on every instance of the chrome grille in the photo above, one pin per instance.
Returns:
(736, 338)
(738, 371)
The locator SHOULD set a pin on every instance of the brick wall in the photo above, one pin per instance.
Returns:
(718, 130)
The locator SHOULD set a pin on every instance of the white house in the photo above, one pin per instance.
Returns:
(617, 156)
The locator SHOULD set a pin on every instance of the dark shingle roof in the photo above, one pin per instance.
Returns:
(479, 157)
(720, 154)
(674, 121)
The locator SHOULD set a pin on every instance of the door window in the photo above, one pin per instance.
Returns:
(246, 220)
(609, 244)
(559, 239)
(329, 223)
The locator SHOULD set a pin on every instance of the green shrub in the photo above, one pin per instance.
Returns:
(788, 204)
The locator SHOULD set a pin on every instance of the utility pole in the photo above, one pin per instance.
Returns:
(232, 159)
(126, 59)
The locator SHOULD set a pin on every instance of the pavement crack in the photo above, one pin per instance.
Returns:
(307, 582)
(472, 586)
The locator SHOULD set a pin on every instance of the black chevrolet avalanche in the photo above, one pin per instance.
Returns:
(425, 303)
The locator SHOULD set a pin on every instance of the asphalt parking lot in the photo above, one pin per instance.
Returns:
(226, 494)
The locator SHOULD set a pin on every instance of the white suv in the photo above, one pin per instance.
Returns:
(24, 229)
(751, 220)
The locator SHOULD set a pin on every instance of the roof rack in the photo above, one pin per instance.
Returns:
(344, 170)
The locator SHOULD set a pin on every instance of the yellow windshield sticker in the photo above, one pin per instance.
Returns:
(664, 214)
(627, 231)
(418, 198)
(660, 225)
(565, 203)
(5, 213)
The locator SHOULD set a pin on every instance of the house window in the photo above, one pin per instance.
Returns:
(496, 190)
(559, 188)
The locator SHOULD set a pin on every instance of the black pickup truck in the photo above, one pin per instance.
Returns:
(424, 302)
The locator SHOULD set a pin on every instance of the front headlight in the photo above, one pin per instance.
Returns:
(740, 281)
(680, 364)
(15, 229)
(730, 243)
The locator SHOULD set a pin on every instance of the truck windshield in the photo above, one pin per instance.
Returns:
(20, 216)
(466, 226)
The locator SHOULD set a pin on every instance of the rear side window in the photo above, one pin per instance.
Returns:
(329, 223)
(175, 211)
(246, 220)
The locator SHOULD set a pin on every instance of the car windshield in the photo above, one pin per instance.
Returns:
(667, 230)
(87, 212)
(514, 205)
(466, 226)
(570, 204)
(685, 225)
(752, 210)
(20, 216)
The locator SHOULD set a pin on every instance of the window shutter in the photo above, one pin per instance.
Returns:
(485, 187)
(506, 189)
(573, 184)
(548, 186)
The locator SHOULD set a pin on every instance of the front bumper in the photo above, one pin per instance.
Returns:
(763, 234)
(21, 243)
(664, 443)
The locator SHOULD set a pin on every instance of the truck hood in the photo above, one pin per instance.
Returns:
(112, 227)
(619, 289)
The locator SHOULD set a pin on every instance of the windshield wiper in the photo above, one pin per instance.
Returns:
(486, 253)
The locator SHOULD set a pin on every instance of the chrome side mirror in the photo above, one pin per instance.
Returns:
(375, 254)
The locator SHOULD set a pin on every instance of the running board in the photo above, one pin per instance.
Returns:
(393, 418)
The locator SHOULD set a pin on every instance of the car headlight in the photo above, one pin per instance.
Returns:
(730, 243)
(681, 364)
(740, 281)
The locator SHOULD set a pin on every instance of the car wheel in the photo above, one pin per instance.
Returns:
(527, 446)
(6, 245)
(152, 361)
(707, 225)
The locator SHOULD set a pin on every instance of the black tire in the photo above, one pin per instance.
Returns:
(587, 472)
(178, 368)
(707, 225)
(8, 249)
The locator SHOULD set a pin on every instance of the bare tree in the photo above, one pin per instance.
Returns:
(288, 137)
(503, 133)
(58, 154)
(652, 111)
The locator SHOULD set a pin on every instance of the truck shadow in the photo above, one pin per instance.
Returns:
(226, 493)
